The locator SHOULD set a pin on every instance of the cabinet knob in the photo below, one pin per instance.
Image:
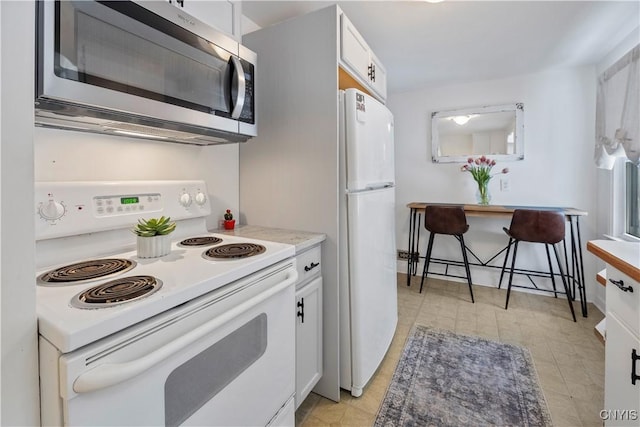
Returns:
(620, 284)
(371, 73)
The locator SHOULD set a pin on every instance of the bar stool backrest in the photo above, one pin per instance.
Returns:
(445, 220)
(537, 226)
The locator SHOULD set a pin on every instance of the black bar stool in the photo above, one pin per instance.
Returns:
(449, 220)
(536, 226)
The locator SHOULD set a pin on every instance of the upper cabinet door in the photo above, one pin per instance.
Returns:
(354, 51)
(222, 15)
(357, 59)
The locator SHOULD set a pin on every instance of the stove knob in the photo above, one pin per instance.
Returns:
(52, 210)
(185, 200)
(201, 199)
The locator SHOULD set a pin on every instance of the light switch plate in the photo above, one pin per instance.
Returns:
(505, 185)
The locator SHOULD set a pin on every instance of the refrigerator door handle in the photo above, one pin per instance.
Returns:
(370, 188)
(379, 185)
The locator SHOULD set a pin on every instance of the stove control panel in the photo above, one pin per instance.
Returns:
(73, 208)
(127, 203)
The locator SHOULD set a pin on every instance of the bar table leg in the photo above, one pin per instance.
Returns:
(412, 215)
(581, 284)
(577, 263)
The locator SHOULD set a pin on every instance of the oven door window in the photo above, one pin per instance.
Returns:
(126, 48)
(198, 380)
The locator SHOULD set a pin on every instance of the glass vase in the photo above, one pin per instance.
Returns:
(483, 196)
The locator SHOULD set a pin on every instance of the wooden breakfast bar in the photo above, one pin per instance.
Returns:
(575, 269)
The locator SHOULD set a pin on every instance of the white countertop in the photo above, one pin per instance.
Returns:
(302, 240)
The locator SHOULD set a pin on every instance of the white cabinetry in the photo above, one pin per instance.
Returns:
(622, 350)
(354, 51)
(308, 323)
(224, 15)
(622, 344)
(357, 58)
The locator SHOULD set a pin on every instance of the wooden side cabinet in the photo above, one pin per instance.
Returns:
(308, 323)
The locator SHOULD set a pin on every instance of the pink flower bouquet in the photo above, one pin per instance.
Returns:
(480, 169)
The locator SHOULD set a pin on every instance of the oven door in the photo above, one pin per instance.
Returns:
(140, 59)
(227, 358)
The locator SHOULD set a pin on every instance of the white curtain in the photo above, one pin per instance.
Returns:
(618, 112)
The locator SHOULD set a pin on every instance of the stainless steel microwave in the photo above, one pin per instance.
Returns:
(142, 69)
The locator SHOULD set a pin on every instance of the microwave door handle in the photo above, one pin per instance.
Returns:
(109, 374)
(238, 80)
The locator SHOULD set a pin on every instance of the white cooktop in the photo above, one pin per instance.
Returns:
(185, 275)
(81, 221)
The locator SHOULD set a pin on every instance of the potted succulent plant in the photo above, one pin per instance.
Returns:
(229, 222)
(153, 239)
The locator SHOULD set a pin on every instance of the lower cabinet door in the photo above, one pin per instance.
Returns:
(308, 338)
(286, 417)
(622, 397)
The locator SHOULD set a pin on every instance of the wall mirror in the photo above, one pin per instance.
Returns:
(494, 131)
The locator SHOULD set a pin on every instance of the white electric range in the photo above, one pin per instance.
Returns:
(210, 327)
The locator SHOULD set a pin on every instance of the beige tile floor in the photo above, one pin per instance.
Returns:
(568, 357)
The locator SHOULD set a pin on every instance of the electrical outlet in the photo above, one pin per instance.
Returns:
(505, 185)
(403, 254)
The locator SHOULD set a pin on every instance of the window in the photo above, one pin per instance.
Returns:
(617, 145)
(632, 200)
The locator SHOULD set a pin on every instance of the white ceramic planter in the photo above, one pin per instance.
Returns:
(153, 247)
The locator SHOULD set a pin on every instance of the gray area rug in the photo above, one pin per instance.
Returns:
(446, 379)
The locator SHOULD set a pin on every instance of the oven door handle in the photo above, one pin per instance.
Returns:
(109, 374)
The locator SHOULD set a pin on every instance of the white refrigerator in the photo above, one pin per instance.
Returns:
(368, 293)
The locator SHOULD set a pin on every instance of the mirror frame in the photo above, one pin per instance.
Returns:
(517, 108)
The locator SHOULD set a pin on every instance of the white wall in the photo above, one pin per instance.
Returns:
(20, 404)
(73, 156)
(559, 112)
